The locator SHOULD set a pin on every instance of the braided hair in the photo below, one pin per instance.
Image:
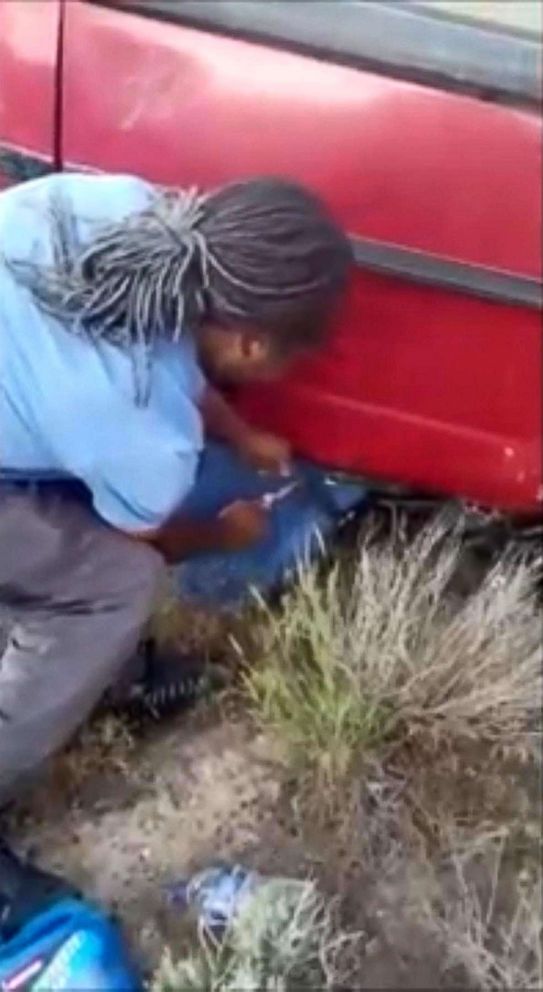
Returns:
(260, 252)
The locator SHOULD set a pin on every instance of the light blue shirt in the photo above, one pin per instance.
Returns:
(67, 406)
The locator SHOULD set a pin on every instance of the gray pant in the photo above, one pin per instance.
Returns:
(74, 597)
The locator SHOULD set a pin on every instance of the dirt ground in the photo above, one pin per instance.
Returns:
(182, 797)
(123, 814)
(125, 817)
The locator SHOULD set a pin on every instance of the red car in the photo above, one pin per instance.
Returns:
(423, 134)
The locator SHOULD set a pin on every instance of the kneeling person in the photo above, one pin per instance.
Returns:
(120, 303)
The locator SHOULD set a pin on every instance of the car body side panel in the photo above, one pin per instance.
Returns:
(29, 37)
(420, 385)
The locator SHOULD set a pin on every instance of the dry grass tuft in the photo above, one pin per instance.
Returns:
(284, 939)
(409, 717)
(488, 919)
(379, 659)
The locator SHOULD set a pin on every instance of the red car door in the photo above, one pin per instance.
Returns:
(29, 48)
(426, 146)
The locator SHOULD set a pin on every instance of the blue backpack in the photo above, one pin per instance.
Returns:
(51, 940)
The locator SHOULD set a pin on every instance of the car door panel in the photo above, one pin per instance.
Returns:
(29, 42)
(431, 378)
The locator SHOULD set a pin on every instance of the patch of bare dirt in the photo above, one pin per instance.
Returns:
(124, 817)
(178, 800)
(121, 817)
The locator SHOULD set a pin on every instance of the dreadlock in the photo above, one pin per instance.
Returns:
(263, 252)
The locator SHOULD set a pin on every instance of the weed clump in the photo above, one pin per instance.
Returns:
(284, 939)
(379, 659)
(408, 715)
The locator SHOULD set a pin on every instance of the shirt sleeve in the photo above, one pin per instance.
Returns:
(137, 465)
(139, 491)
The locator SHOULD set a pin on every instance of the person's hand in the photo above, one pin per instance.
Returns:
(266, 452)
(242, 524)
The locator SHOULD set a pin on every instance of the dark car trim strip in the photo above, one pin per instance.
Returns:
(390, 38)
(445, 273)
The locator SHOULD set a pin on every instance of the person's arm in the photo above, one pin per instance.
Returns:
(263, 451)
(140, 481)
(221, 420)
(237, 527)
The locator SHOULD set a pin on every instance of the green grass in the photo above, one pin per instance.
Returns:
(410, 715)
(284, 938)
(379, 655)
